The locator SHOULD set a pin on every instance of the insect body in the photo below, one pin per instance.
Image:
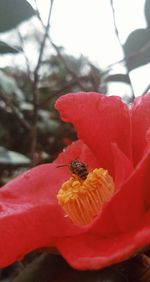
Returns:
(79, 169)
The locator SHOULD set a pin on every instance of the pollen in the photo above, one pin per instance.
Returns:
(82, 200)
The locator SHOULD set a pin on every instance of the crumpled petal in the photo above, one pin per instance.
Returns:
(99, 121)
(140, 113)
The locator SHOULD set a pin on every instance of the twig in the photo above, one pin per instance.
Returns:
(117, 35)
(25, 56)
(35, 89)
(71, 72)
(60, 57)
(132, 55)
(146, 90)
(44, 39)
(115, 24)
(58, 92)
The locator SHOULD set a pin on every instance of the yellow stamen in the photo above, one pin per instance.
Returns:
(82, 199)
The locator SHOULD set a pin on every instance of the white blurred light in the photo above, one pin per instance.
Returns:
(86, 27)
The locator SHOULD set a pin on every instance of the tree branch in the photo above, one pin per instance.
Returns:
(117, 35)
(35, 89)
(67, 86)
(70, 71)
(25, 56)
(146, 90)
(61, 58)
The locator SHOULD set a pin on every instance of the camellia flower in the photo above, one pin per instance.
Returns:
(93, 203)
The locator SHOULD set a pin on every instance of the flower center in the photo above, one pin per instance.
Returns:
(82, 199)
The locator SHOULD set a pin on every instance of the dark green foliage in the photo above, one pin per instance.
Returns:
(47, 268)
(147, 12)
(118, 78)
(7, 48)
(137, 45)
(137, 48)
(43, 266)
(13, 12)
(11, 158)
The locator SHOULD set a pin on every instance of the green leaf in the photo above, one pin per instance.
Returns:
(137, 48)
(12, 158)
(26, 106)
(9, 86)
(13, 12)
(147, 12)
(7, 48)
(118, 78)
(46, 124)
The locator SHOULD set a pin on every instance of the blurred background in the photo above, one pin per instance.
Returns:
(49, 48)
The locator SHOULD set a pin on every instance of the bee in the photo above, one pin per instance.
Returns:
(78, 168)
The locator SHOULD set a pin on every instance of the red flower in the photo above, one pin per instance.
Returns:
(113, 137)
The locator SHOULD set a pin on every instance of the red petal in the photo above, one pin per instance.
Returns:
(140, 123)
(29, 212)
(77, 151)
(30, 217)
(122, 229)
(128, 205)
(89, 251)
(122, 166)
(99, 121)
